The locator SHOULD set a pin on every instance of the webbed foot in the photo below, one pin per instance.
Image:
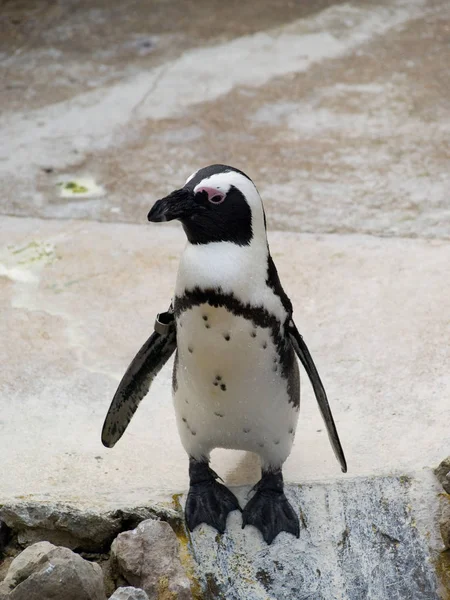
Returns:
(269, 509)
(208, 501)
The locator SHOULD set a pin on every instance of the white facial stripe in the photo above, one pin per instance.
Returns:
(191, 176)
(240, 270)
(214, 195)
(207, 183)
(224, 181)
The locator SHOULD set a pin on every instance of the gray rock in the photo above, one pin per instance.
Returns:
(5, 563)
(60, 524)
(359, 539)
(5, 534)
(129, 593)
(443, 474)
(65, 525)
(444, 520)
(148, 557)
(26, 562)
(44, 571)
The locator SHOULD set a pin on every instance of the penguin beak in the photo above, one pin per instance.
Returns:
(177, 205)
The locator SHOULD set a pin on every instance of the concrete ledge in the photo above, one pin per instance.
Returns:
(370, 537)
(79, 298)
(358, 539)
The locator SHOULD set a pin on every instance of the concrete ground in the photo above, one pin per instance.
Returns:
(79, 299)
(339, 111)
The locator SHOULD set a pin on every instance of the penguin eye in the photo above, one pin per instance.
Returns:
(215, 196)
(217, 199)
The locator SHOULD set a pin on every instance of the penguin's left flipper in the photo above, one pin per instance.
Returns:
(306, 359)
(138, 377)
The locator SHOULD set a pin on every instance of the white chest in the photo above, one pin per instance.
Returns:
(216, 345)
(238, 270)
(229, 389)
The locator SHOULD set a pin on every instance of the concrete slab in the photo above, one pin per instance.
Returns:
(79, 298)
(339, 111)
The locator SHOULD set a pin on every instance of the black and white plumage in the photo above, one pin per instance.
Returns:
(137, 380)
(235, 380)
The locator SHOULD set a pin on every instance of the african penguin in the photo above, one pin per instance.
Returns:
(235, 378)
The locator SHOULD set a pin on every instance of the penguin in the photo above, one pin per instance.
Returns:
(235, 377)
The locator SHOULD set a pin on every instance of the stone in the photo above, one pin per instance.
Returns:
(358, 539)
(44, 571)
(5, 563)
(444, 520)
(129, 593)
(28, 561)
(5, 535)
(149, 557)
(442, 472)
(69, 526)
(60, 524)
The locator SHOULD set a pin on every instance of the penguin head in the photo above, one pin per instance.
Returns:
(217, 204)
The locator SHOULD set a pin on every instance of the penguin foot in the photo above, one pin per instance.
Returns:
(208, 501)
(269, 509)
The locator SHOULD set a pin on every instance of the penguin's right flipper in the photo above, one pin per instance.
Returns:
(138, 377)
(305, 357)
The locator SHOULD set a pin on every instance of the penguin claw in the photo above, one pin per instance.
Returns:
(209, 502)
(270, 512)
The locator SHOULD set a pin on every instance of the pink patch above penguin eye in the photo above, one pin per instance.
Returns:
(215, 196)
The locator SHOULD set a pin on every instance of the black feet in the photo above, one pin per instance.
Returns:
(269, 509)
(208, 501)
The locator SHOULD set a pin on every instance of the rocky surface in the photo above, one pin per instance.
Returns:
(66, 525)
(60, 524)
(129, 593)
(445, 521)
(44, 571)
(5, 533)
(358, 539)
(149, 557)
(443, 474)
